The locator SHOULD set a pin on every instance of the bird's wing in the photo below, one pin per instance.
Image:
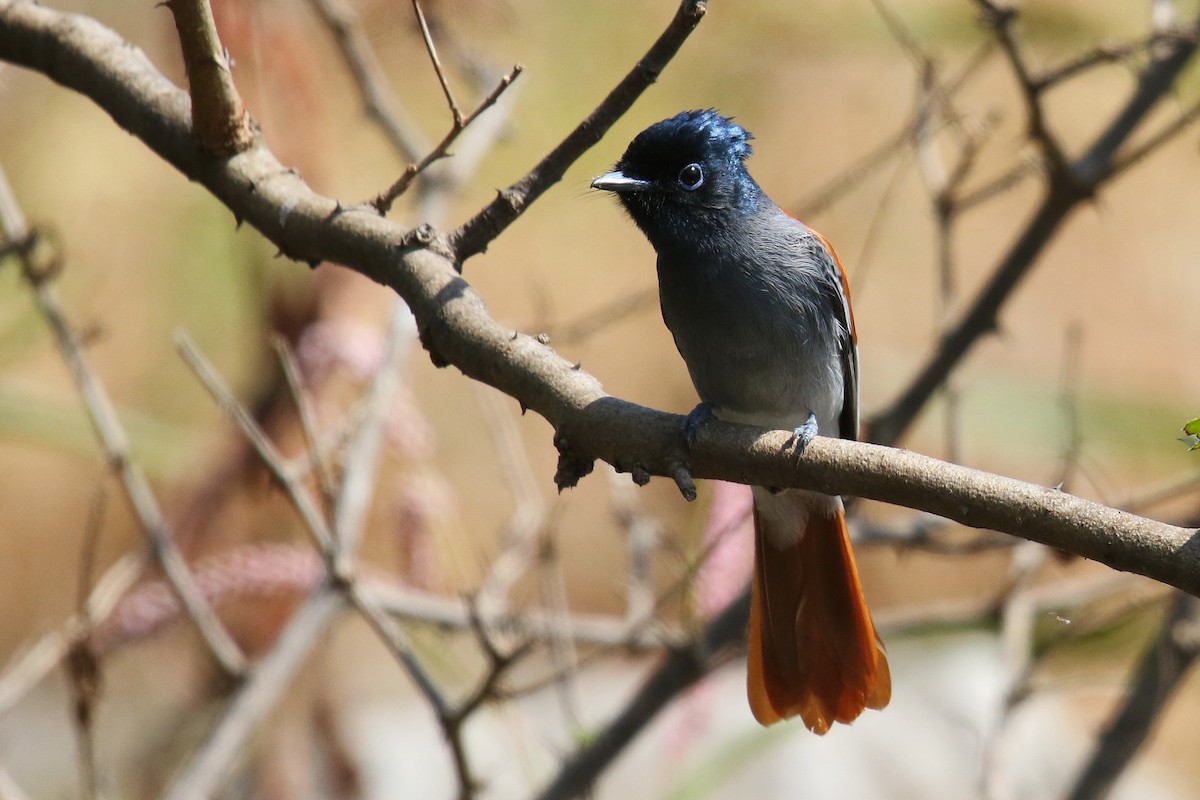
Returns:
(848, 421)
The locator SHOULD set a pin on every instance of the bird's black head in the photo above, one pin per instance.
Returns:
(681, 177)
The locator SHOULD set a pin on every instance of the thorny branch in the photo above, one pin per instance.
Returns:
(221, 124)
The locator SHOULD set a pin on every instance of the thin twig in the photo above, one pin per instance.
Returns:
(30, 666)
(455, 111)
(82, 665)
(473, 236)
(1000, 19)
(309, 512)
(113, 439)
(683, 667)
(317, 461)
(1164, 667)
(383, 202)
(1136, 154)
(378, 98)
(529, 507)
(524, 624)
(208, 769)
(1105, 54)
(1067, 189)
(360, 462)
(833, 190)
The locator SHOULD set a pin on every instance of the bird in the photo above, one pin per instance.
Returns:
(759, 308)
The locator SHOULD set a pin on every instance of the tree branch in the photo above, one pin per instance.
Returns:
(1068, 188)
(474, 236)
(590, 424)
(1165, 665)
(220, 121)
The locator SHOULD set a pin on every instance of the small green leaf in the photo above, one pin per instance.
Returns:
(1192, 429)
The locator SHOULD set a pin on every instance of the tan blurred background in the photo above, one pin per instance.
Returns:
(819, 83)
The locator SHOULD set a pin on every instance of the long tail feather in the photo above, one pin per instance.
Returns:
(813, 650)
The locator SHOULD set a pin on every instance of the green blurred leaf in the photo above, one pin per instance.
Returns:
(1192, 429)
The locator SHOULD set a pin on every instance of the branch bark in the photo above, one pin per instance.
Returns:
(220, 120)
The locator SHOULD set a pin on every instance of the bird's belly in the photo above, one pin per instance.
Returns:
(768, 381)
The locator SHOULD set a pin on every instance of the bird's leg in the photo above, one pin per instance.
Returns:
(803, 436)
(695, 421)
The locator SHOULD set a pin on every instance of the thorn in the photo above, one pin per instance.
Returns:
(683, 480)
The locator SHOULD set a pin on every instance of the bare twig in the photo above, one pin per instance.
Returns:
(529, 511)
(82, 664)
(1159, 138)
(683, 667)
(309, 512)
(1107, 54)
(27, 668)
(397, 643)
(1067, 189)
(822, 198)
(597, 629)
(455, 111)
(378, 98)
(384, 201)
(473, 236)
(209, 768)
(1168, 661)
(362, 452)
(317, 461)
(1000, 19)
(221, 124)
(113, 439)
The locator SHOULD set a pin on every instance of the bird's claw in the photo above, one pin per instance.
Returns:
(803, 436)
(694, 422)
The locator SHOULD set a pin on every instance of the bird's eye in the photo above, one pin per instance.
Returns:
(691, 177)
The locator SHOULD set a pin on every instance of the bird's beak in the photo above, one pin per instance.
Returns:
(620, 182)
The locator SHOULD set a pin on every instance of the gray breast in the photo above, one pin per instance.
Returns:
(754, 333)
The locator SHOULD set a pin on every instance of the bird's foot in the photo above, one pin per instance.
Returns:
(695, 421)
(803, 436)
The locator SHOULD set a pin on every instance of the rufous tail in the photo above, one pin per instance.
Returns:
(813, 650)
